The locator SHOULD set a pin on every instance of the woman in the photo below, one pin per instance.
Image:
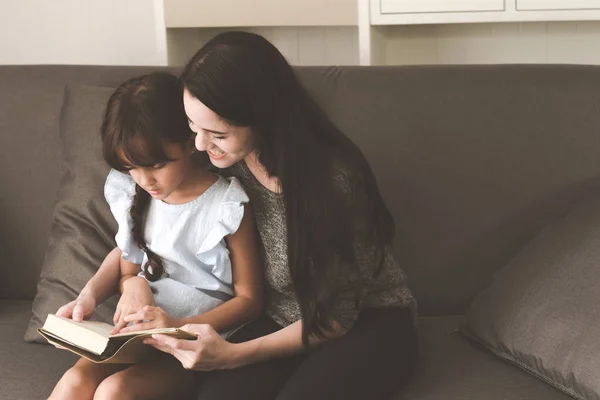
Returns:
(338, 317)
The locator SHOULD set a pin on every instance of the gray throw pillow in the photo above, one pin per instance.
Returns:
(542, 311)
(83, 228)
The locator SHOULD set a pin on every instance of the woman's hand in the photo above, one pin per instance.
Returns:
(79, 309)
(208, 352)
(136, 295)
(149, 317)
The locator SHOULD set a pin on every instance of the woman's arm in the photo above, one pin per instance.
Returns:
(210, 351)
(283, 343)
(247, 283)
(101, 286)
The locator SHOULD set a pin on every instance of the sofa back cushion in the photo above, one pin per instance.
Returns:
(83, 227)
(541, 311)
(31, 165)
(471, 160)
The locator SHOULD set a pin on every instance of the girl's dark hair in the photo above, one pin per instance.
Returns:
(325, 179)
(142, 115)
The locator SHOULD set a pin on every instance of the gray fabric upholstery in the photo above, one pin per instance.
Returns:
(30, 104)
(83, 227)
(28, 371)
(450, 368)
(541, 312)
(472, 160)
(29, 172)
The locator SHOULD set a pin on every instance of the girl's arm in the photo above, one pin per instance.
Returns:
(101, 286)
(128, 270)
(135, 294)
(247, 283)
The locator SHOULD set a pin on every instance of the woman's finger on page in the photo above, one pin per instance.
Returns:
(174, 343)
(158, 345)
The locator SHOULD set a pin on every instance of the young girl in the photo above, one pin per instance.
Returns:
(186, 236)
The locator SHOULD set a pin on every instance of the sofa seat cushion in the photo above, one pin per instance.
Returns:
(27, 371)
(450, 367)
(453, 368)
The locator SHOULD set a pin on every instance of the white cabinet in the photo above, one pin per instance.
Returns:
(385, 35)
(419, 12)
(439, 6)
(416, 12)
(543, 5)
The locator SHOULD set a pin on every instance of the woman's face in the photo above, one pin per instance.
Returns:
(224, 143)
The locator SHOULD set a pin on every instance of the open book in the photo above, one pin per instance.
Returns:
(92, 340)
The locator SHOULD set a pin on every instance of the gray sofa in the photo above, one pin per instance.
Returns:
(472, 161)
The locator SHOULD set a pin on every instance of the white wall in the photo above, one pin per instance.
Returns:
(300, 45)
(131, 32)
(529, 42)
(108, 32)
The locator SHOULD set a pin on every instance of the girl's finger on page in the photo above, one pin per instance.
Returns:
(117, 316)
(78, 313)
(140, 316)
(65, 311)
(138, 327)
(118, 326)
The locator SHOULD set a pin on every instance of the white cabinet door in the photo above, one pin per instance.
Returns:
(440, 6)
(531, 5)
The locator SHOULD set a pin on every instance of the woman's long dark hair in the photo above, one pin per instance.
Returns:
(142, 115)
(325, 180)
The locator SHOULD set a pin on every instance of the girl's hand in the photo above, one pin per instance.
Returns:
(136, 295)
(79, 309)
(149, 317)
(208, 352)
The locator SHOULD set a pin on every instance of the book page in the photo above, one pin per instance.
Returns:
(54, 321)
(147, 332)
(123, 351)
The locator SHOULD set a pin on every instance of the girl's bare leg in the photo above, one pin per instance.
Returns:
(82, 379)
(161, 378)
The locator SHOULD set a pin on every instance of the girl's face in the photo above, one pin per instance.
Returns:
(166, 181)
(225, 144)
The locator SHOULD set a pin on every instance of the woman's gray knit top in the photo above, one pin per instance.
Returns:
(388, 289)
